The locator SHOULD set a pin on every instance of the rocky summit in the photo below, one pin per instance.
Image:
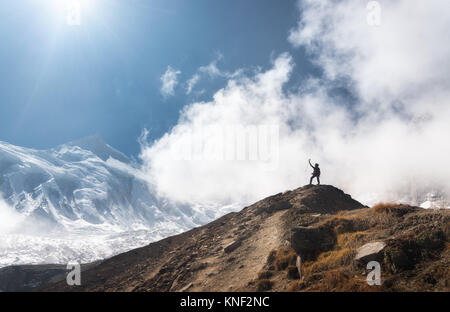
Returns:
(314, 238)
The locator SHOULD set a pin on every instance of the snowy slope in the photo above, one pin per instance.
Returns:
(435, 200)
(81, 201)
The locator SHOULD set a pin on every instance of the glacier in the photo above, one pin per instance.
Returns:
(83, 201)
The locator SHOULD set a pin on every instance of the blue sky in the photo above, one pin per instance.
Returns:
(61, 82)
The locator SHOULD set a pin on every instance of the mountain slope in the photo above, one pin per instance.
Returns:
(72, 187)
(257, 249)
(81, 201)
(85, 201)
(96, 145)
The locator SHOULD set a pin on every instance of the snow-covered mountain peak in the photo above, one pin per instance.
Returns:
(82, 201)
(97, 146)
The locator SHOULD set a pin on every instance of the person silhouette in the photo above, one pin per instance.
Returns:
(315, 174)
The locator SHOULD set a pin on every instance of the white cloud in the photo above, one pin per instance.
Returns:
(10, 219)
(405, 53)
(395, 135)
(210, 71)
(169, 81)
(245, 101)
(192, 82)
(400, 72)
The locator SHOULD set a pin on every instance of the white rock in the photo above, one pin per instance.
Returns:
(369, 251)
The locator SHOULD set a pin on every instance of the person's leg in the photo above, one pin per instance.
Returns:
(318, 180)
(310, 180)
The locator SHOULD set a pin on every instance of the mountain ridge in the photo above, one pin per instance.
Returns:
(258, 249)
(96, 145)
(110, 209)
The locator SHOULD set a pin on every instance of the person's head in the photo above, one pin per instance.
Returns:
(317, 165)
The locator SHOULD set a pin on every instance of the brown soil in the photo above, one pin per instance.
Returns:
(252, 250)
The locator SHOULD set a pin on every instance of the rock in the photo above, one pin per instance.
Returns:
(398, 260)
(280, 205)
(199, 266)
(324, 199)
(180, 265)
(275, 203)
(231, 247)
(187, 287)
(401, 255)
(370, 252)
(308, 241)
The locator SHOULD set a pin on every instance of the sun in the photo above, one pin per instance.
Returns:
(71, 11)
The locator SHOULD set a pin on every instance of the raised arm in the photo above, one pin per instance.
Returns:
(309, 160)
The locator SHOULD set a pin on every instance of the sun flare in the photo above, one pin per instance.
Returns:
(71, 11)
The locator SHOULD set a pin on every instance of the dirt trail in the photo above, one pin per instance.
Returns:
(233, 272)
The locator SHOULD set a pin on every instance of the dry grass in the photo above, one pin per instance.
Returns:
(296, 286)
(339, 223)
(270, 262)
(385, 214)
(284, 258)
(351, 240)
(338, 280)
(265, 275)
(447, 231)
(421, 240)
(329, 260)
(334, 280)
(442, 271)
(384, 207)
(392, 209)
(431, 240)
(343, 254)
(333, 220)
(264, 285)
(292, 272)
